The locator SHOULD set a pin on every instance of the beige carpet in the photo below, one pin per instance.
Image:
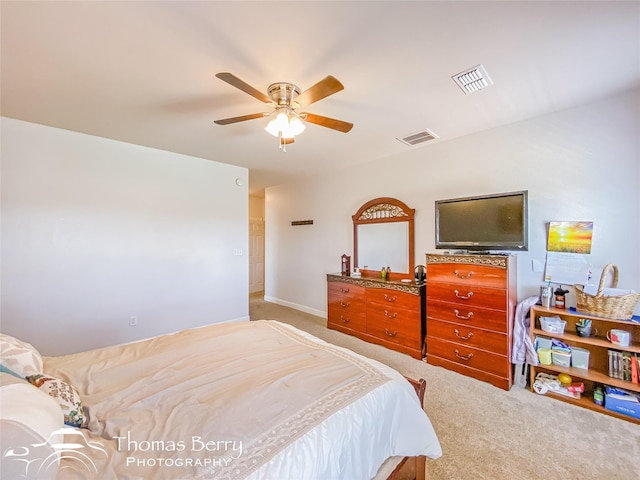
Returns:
(487, 433)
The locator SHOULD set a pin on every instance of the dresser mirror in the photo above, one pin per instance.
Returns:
(383, 236)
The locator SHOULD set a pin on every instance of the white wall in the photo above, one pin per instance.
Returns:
(578, 164)
(95, 231)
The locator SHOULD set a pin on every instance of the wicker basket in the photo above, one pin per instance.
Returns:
(620, 307)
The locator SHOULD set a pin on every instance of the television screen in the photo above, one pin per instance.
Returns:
(490, 222)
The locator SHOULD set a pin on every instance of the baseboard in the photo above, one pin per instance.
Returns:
(295, 306)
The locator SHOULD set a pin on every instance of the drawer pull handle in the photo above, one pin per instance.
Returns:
(390, 334)
(390, 299)
(457, 312)
(459, 275)
(344, 320)
(462, 357)
(394, 315)
(344, 290)
(467, 337)
(344, 304)
(463, 297)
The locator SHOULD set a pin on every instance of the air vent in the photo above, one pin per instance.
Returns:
(418, 137)
(472, 80)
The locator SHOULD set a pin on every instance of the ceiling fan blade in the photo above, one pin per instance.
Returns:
(234, 81)
(227, 121)
(328, 122)
(325, 87)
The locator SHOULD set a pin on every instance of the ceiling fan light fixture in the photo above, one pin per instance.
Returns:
(285, 125)
(278, 124)
(296, 127)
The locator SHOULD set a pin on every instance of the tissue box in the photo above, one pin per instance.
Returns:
(622, 401)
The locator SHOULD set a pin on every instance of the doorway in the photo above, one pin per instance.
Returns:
(256, 255)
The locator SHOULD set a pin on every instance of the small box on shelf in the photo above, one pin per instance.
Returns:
(562, 359)
(542, 342)
(544, 356)
(622, 401)
(579, 357)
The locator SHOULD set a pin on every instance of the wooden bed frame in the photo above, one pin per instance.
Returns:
(415, 466)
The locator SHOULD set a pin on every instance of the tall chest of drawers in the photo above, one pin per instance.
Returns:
(471, 302)
(389, 313)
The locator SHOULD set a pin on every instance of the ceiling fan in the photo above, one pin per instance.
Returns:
(286, 99)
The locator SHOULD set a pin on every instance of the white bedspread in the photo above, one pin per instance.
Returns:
(258, 400)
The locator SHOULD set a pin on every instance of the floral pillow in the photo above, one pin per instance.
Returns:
(19, 357)
(66, 395)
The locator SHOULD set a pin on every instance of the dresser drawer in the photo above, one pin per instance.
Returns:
(495, 298)
(468, 315)
(467, 274)
(395, 325)
(469, 356)
(393, 298)
(345, 290)
(347, 300)
(354, 319)
(469, 336)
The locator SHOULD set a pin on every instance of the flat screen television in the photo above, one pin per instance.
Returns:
(488, 222)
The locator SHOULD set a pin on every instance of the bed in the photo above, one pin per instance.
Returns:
(242, 400)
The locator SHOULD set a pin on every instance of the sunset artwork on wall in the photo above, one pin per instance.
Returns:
(570, 237)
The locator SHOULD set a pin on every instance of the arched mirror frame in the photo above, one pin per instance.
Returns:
(385, 210)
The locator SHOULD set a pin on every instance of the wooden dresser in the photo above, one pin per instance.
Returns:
(471, 302)
(386, 312)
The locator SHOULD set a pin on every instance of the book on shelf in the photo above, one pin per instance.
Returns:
(615, 364)
(610, 354)
(624, 365)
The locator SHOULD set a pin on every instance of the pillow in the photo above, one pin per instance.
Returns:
(8, 379)
(4, 369)
(66, 395)
(19, 356)
(30, 421)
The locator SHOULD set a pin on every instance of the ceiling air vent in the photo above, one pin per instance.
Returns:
(472, 80)
(418, 137)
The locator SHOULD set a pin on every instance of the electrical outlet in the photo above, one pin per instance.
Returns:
(133, 321)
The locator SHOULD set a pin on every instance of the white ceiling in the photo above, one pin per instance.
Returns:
(144, 72)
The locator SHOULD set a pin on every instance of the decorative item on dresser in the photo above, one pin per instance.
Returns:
(387, 312)
(471, 301)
